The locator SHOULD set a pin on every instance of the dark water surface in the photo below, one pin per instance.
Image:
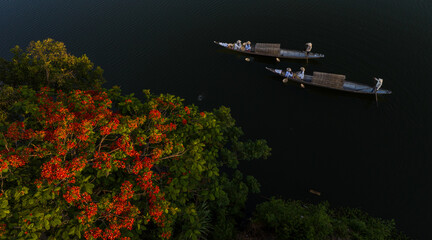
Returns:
(355, 153)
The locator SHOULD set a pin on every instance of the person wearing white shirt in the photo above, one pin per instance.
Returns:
(301, 73)
(288, 73)
(237, 45)
(378, 85)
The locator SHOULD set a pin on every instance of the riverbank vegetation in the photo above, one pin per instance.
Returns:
(78, 161)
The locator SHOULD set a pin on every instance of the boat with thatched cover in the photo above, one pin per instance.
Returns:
(271, 50)
(331, 81)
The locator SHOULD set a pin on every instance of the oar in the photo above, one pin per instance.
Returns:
(376, 89)
(376, 97)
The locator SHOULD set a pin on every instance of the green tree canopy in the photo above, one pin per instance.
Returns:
(296, 220)
(47, 63)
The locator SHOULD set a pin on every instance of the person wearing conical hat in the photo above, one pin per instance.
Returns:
(308, 47)
(248, 46)
(238, 45)
(301, 73)
(289, 73)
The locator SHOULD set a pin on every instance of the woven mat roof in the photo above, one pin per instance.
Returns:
(328, 79)
(268, 48)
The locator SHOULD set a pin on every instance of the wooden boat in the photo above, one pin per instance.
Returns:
(272, 50)
(332, 81)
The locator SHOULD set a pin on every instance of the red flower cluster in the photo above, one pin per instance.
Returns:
(119, 214)
(112, 125)
(187, 110)
(102, 159)
(154, 114)
(72, 194)
(125, 145)
(126, 191)
(166, 127)
(2, 229)
(53, 170)
(17, 131)
(133, 124)
(156, 138)
(166, 103)
(79, 130)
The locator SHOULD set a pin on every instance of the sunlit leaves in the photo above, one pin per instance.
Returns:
(47, 63)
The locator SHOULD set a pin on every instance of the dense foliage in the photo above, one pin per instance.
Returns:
(296, 220)
(48, 64)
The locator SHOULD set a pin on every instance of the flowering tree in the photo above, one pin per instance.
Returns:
(45, 63)
(78, 165)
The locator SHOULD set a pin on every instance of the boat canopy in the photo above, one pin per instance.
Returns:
(267, 48)
(328, 79)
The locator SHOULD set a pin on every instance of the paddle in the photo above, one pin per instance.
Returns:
(376, 97)
(377, 87)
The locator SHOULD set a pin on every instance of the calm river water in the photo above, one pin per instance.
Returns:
(355, 152)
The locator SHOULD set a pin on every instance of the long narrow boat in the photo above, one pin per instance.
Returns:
(332, 81)
(272, 50)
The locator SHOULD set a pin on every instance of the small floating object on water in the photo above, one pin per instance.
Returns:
(315, 192)
(247, 59)
(285, 80)
(277, 60)
(200, 97)
(301, 85)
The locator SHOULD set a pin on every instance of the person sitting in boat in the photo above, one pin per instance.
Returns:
(301, 73)
(248, 46)
(378, 85)
(237, 45)
(223, 44)
(289, 73)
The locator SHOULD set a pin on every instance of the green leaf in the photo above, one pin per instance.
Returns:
(47, 225)
(88, 187)
(72, 231)
(34, 235)
(56, 222)
(65, 235)
(87, 178)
